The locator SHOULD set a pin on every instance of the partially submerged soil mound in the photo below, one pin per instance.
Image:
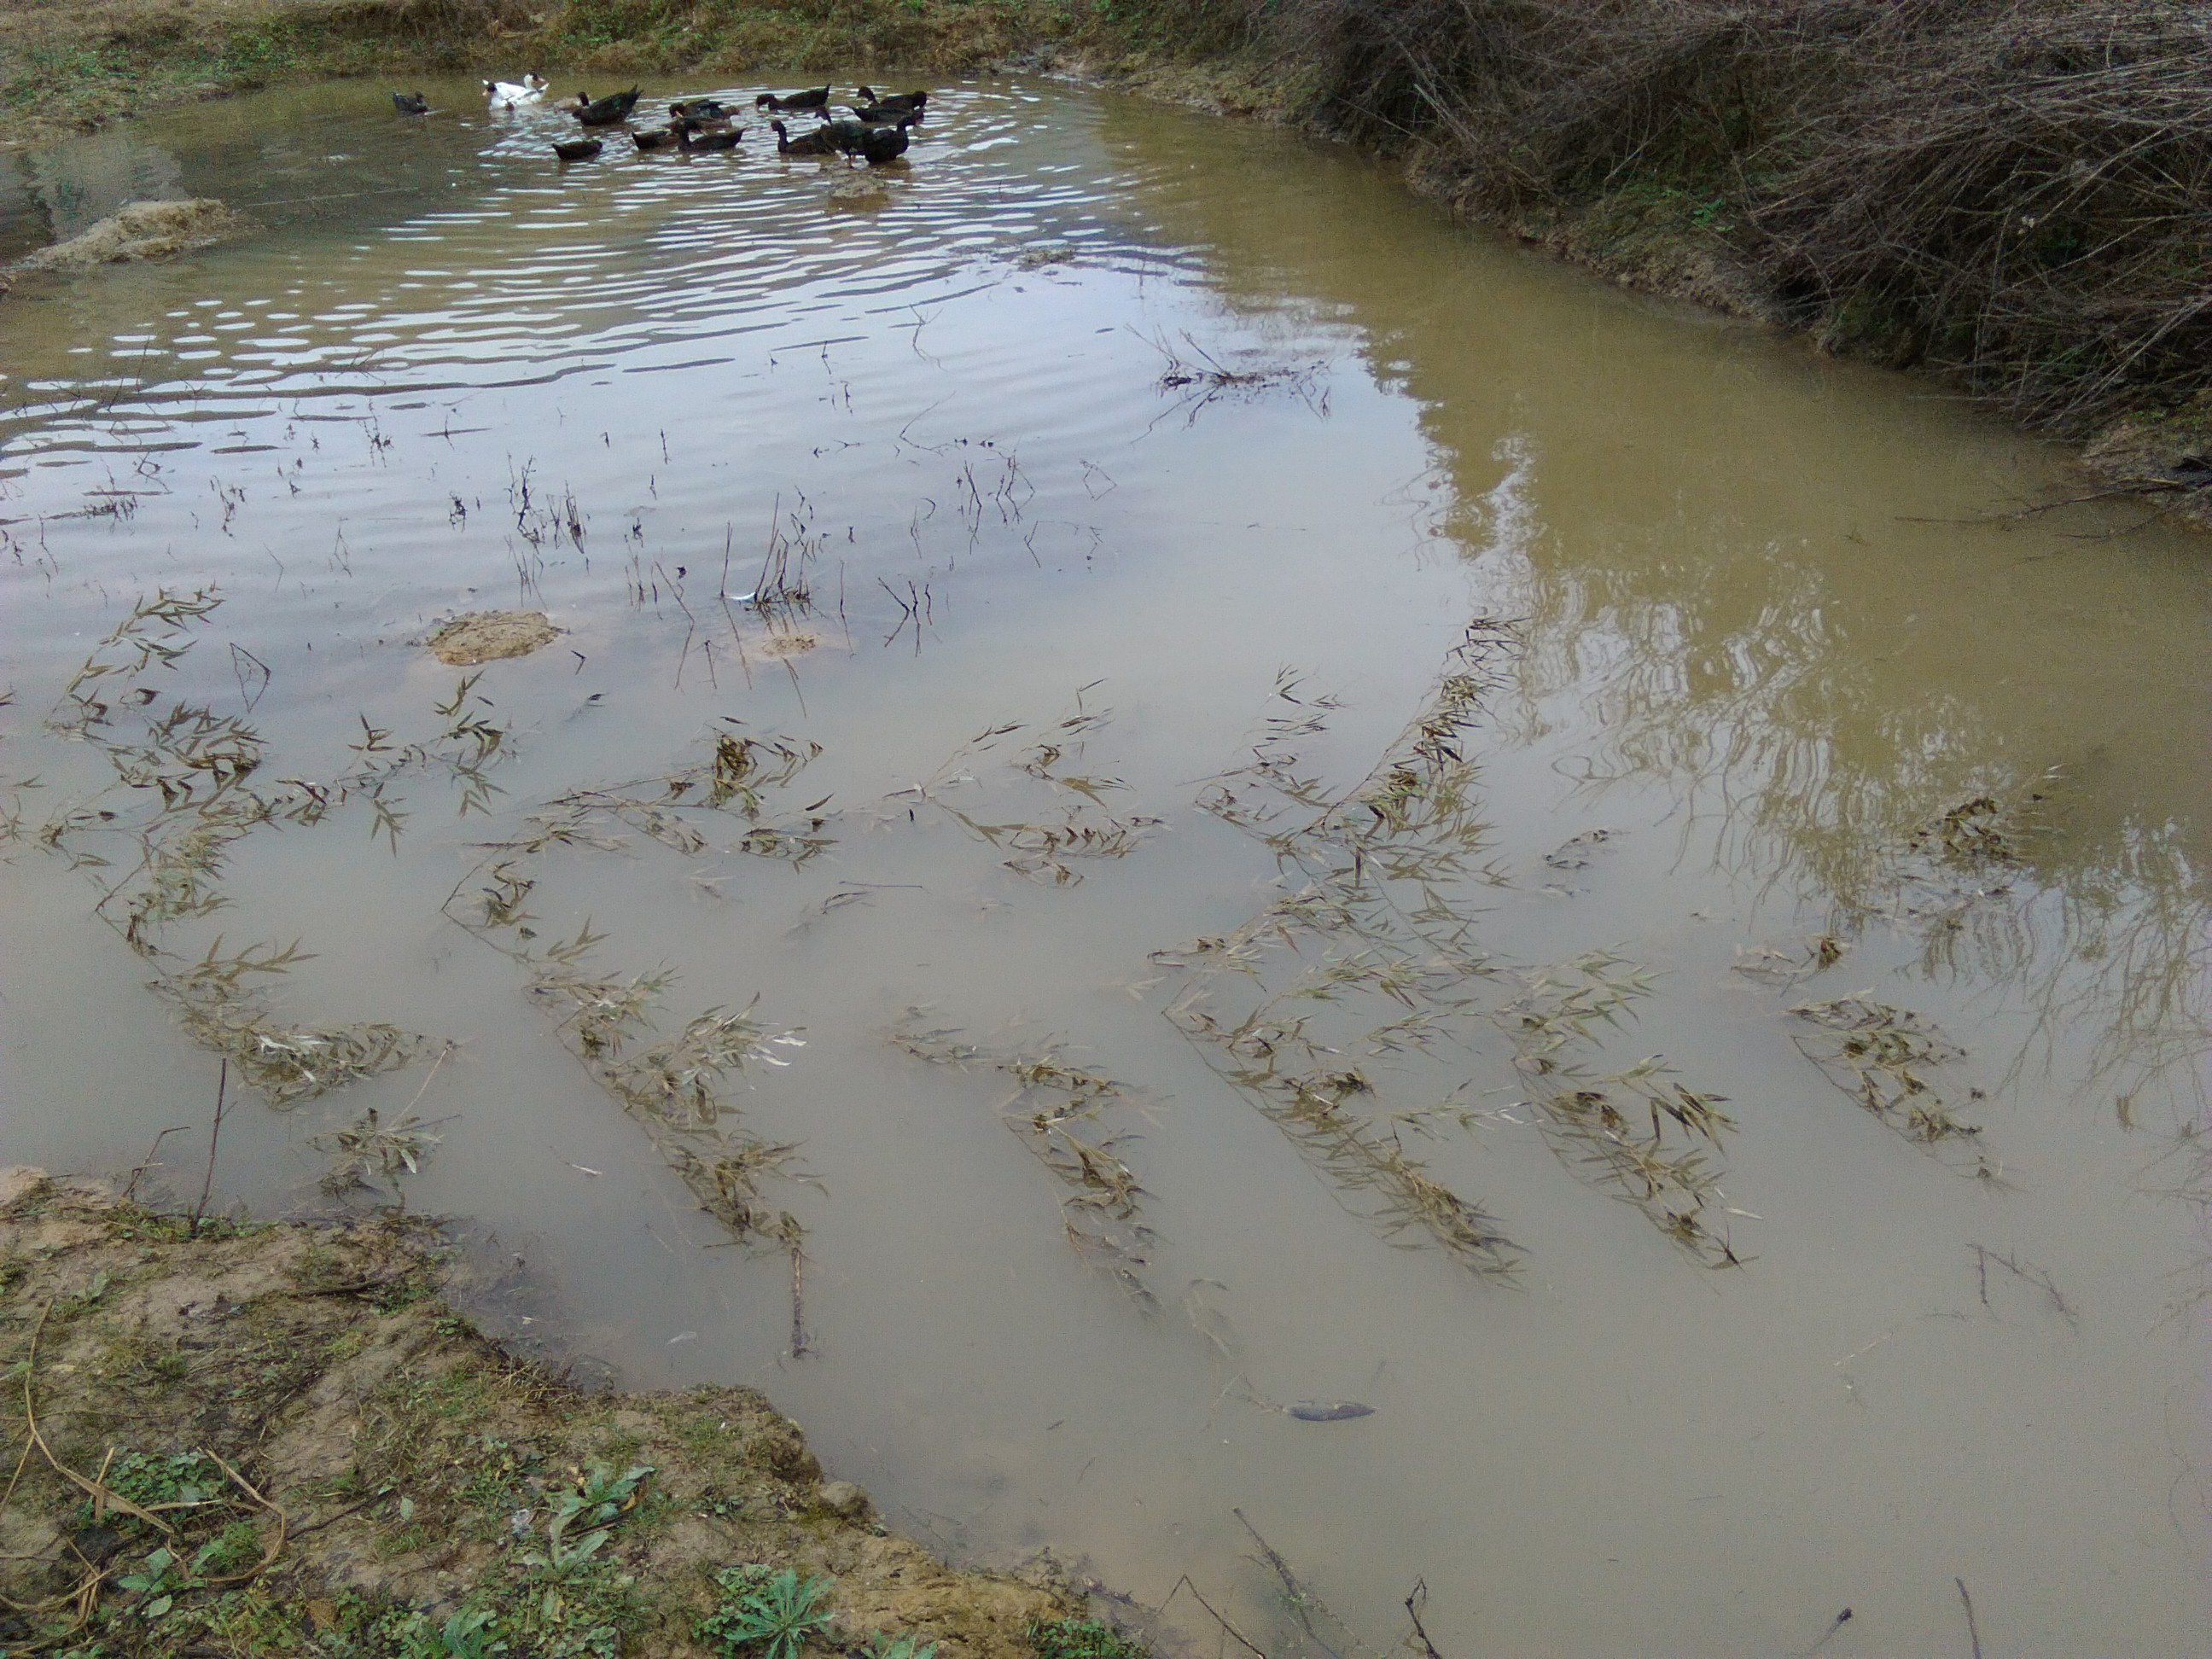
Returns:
(790, 642)
(141, 230)
(277, 1439)
(487, 635)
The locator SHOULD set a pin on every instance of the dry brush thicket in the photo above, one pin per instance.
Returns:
(2019, 190)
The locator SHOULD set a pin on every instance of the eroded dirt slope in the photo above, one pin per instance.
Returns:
(278, 1438)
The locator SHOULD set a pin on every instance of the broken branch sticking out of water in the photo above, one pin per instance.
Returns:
(1416, 1599)
(1776, 966)
(738, 777)
(1059, 1111)
(1884, 1057)
(2038, 1278)
(1669, 1173)
(1045, 847)
(185, 790)
(223, 1010)
(1200, 380)
(1305, 1605)
(1377, 936)
(368, 1144)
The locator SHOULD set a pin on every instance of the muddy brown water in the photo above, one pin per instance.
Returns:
(1768, 630)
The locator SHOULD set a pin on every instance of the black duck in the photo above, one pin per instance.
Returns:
(658, 138)
(608, 111)
(410, 103)
(820, 142)
(794, 102)
(893, 104)
(883, 115)
(881, 144)
(688, 141)
(577, 149)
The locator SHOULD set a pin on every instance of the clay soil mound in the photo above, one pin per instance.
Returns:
(141, 230)
(487, 635)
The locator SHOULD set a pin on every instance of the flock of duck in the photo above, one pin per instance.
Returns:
(876, 132)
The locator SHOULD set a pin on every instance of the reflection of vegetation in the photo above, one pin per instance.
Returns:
(1759, 696)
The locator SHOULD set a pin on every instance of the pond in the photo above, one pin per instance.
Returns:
(1173, 797)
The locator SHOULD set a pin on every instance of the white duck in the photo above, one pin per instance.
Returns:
(509, 93)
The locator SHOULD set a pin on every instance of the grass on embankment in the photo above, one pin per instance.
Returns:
(276, 1440)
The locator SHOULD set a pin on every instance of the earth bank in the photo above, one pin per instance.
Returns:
(278, 1438)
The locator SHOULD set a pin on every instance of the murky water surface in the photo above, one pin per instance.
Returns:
(1108, 495)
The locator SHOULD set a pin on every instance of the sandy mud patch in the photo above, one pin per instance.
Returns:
(141, 230)
(489, 636)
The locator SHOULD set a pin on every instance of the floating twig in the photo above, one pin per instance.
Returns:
(1974, 1631)
(1416, 1599)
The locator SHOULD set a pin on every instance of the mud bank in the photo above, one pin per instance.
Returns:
(270, 1438)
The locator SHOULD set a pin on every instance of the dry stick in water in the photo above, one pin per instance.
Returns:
(1416, 1599)
(1829, 1634)
(139, 1170)
(1238, 1636)
(1973, 1633)
(2028, 1275)
(1294, 1591)
(214, 1140)
(798, 1307)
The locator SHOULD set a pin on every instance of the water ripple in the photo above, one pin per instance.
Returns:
(516, 272)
